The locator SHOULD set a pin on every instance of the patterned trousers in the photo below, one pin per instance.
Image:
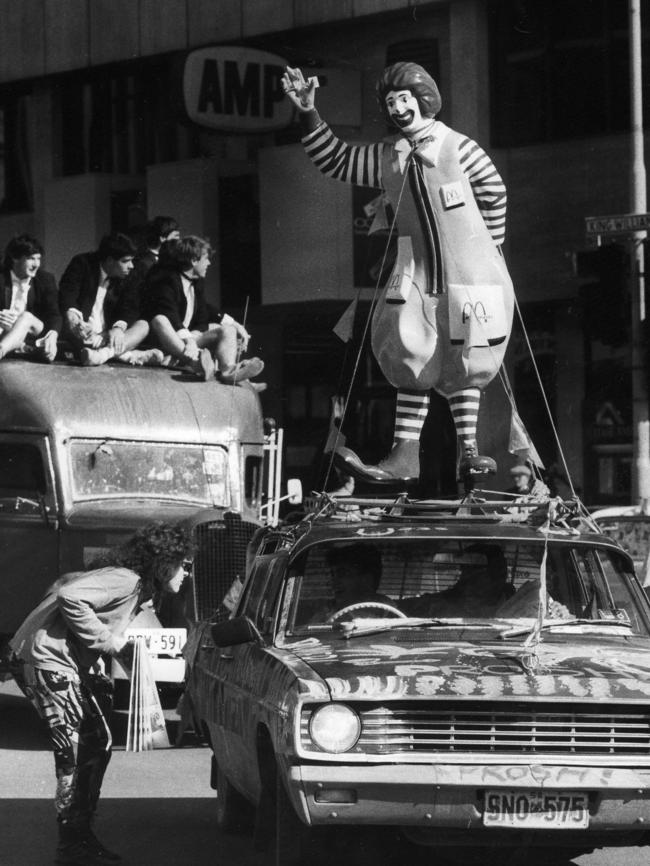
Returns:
(75, 712)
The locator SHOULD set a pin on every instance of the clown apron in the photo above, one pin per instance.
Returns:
(444, 318)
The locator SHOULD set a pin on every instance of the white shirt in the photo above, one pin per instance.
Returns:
(97, 319)
(19, 292)
(188, 291)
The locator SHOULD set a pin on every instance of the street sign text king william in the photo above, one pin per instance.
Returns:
(617, 225)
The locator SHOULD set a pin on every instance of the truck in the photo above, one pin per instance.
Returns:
(89, 455)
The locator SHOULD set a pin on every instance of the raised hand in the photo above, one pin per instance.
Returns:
(299, 91)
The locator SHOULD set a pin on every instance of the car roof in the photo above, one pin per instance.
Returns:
(365, 521)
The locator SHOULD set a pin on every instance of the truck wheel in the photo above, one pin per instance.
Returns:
(233, 810)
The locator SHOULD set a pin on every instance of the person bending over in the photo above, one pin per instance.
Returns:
(57, 652)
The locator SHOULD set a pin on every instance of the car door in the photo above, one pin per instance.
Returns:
(245, 677)
(29, 535)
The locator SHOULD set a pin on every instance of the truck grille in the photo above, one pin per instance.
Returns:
(220, 558)
(499, 729)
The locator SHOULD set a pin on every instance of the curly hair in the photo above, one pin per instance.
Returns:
(152, 552)
(19, 246)
(410, 76)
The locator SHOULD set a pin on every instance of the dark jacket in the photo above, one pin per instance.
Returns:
(142, 263)
(42, 298)
(79, 619)
(163, 295)
(78, 290)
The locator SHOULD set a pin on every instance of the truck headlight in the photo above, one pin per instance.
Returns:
(335, 728)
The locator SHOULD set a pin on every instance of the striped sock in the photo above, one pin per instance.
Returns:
(464, 410)
(410, 413)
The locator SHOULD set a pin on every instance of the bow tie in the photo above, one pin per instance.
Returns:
(422, 141)
(426, 149)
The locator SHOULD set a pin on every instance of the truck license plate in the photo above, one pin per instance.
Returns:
(555, 810)
(161, 641)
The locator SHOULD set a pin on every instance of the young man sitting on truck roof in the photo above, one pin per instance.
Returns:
(173, 299)
(101, 312)
(29, 304)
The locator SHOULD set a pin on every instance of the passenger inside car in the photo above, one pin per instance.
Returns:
(479, 591)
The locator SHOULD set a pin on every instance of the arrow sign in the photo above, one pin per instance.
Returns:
(617, 225)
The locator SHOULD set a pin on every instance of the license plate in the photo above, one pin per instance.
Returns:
(161, 641)
(555, 810)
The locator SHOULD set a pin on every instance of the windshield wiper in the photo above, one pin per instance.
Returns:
(356, 627)
(548, 626)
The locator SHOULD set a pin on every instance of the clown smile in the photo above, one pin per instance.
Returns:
(404, 120)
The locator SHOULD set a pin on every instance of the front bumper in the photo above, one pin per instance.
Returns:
(452, 795)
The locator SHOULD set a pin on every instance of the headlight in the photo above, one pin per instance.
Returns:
(335, 728)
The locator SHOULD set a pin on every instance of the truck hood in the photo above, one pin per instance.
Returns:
(564, 669)
(131, 513)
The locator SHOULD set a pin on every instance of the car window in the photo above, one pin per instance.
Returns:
(21, 469)
(466, 579)
(261, 591)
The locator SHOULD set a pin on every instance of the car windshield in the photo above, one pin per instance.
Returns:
(470, 581)
(109, 468)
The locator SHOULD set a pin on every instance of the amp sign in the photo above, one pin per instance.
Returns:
(236, 89)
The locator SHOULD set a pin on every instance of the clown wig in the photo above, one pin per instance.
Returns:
(410, 76)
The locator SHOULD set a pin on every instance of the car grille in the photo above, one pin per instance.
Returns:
(499, 729)
(220, 558)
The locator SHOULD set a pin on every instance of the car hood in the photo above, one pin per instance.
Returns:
(381, 666)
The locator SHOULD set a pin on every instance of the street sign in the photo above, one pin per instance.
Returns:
(617, 225)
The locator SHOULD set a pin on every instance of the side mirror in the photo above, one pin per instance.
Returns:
(233, 632)
(294, 491)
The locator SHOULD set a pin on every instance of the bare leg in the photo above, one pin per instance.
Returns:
(173, 345)
(167, 338)
(134, 335)
(26, 324)
(222, 343)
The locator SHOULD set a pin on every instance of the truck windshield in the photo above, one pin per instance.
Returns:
(474, 580)
(115, 469)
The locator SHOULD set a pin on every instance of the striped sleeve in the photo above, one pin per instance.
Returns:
(487, 186)
(359, 164)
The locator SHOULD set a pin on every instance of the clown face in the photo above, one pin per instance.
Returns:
(404, 111)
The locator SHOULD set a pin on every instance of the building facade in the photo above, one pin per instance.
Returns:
(112, 111)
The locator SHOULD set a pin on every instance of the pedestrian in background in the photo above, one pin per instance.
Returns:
(30, 320)
(58, 663)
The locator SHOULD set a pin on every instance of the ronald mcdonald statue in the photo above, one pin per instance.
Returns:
(445, 315)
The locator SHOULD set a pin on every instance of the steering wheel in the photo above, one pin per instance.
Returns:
(379, 605)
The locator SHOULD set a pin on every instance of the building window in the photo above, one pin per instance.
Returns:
(559, 69)
(16, 193)
(120, 119)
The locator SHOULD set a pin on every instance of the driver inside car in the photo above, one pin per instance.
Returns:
(356, 574)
